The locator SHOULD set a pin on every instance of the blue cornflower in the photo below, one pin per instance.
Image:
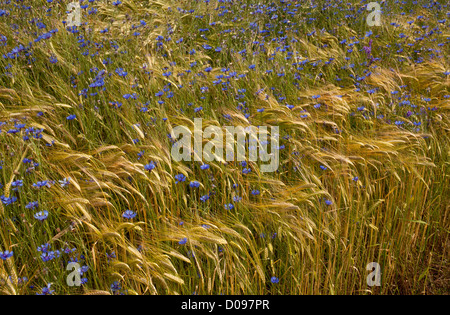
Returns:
(71, 117)
(16, 184)
(150, 166)
(44, 248)
(41, 216)
(41, 184)
(46, 290)
(255, 192)
(83, 269)
(132, 96)
(47, 256)
(67, 250)
(129, 214)
(328, 202)
(183, 241)
(140, 154)
(8, 200)
(32, 205)
(6, 254)
(194, 184)
(121, 72)
(228, 206)
(323, 167)
(237, 198)
(274, 280)
(180, 178)
(204, 166)
(115, 286)
(111, 256)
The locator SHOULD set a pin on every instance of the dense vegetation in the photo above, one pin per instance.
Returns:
(86, 130)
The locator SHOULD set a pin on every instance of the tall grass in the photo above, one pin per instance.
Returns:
(376, 149)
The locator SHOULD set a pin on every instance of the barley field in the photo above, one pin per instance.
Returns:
(359, 203)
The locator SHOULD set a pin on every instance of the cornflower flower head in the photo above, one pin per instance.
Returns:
(129, 214)
(183, 241)
(180, 178)
(6, 254)
(194, 184)
(41, 216)
(46, 290)
(150, 166)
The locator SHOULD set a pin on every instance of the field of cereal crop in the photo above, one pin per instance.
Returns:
(92, 116)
